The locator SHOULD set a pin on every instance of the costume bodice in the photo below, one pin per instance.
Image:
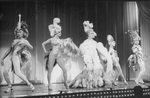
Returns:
(55, 42)
(137, 50)
(88, 46)
(17, 46)
(89, 52)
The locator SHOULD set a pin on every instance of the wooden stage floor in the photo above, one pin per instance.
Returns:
(41, 89)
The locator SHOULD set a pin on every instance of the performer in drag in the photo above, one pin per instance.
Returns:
(136, 59)
(59, 48)
(115, 59)
(91, 51)
(17, 55)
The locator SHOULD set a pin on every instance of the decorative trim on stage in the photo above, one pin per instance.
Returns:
(120, 93)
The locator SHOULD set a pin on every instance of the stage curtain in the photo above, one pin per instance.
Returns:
(144, 8)
(144, 20)
(108, 17)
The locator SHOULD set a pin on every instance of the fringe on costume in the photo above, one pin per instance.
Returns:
(133, 62)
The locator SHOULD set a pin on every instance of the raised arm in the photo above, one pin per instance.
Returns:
(44, 43)
(110, 50)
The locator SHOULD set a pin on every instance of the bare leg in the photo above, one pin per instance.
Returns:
(16, 64)
(78, 77)
(7, 67)
(142, 70)
(109, 64)
(61, 62)
(50, 68)
(77, 83)
(120, 72)
(117, 74)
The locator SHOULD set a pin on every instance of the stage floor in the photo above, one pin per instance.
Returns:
(41, 89)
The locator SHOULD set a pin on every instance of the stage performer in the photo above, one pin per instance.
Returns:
(136, 59)
(115, 59)
(17, 55)
(92, 52)
(60, 47)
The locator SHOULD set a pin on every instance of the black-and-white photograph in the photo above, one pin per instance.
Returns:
(74, 49)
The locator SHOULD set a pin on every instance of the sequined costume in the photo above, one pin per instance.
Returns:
(61, 47)
(136, 59)
(138, 55)
(136, 49)
(19, 49)
(17, 55)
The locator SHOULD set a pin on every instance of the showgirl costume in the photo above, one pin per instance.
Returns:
(112, 52)
(60, 46)
(138, 55)
(136, 59)
(137, 51)
(92, 75)
(19, 49)
(115, 59)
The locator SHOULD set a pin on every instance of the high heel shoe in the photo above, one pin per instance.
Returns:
(125, 82)
(49, 88)
(136, 81)
(31, 87)
(114, 84)
(141, 81)
(66, 85)
(9, 89)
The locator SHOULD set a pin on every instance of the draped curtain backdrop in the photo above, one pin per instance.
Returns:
(108, 17)
(144, 20)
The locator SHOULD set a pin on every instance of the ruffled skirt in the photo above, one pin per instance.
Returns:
(88, 79)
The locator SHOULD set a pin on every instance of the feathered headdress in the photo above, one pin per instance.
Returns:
(56, 20)
(21, 26)
(88, 27)
(55, 29)
(134, 36)
(110, 40)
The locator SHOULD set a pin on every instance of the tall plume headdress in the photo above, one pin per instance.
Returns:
(21, 26)
(54, 28)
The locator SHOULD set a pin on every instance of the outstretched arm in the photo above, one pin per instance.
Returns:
(44, 43)
(28, 44)
(110, 50)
